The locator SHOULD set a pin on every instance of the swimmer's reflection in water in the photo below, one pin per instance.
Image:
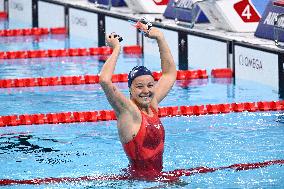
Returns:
(22, 144)
(140, 130)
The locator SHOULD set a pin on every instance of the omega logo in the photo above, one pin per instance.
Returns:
(254, 63)
(17, 6)
(79, 21)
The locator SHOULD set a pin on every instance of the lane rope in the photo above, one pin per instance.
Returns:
(32, 31)
(108, 115)
(89, 79)
(3, 15)
(169, 176)
(104, 51)
(222, 73)
(24, 54)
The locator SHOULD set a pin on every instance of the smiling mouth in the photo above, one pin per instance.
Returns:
(146, 97)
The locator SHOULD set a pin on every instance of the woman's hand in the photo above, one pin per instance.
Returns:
(154, 33)
(150, 31)
(113, 40)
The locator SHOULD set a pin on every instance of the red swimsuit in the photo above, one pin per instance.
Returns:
(145, 150)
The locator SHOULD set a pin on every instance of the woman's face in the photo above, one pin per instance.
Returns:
(142, 90)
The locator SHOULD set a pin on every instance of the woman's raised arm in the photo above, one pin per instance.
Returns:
(116, 99)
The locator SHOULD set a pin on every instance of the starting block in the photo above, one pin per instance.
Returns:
(185, 11)
(231, 15)
(147, 6)
(271, 25)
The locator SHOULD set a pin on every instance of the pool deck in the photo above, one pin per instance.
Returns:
(203, 30)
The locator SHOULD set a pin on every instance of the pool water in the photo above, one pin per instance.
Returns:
(75, 150)
(84, 97)
(61, 66)
(89, 149)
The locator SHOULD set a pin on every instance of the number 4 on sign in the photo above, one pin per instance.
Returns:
(246, 11)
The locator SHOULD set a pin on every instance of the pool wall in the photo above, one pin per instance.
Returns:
(250, 58)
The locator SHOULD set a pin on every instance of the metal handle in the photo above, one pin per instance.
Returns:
(278, 28)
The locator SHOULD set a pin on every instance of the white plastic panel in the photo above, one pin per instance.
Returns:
(257, 65)
(83, 25)
(151, 47)
(204, 53)
(123, 28)
(21, 10)
(44, 15)
(1, 5)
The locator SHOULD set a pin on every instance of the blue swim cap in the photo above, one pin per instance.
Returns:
(137, 71)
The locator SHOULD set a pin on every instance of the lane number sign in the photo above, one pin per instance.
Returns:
(246, 11)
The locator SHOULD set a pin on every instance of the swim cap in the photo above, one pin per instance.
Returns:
(137, 71)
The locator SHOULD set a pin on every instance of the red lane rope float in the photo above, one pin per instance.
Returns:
(169, 176)
(31, 31)
(133, 49)
(191, 74)
(233, 107)
(3, 15)
(78, 80)
(222, 73)
(103, 51)
(58, 30)
(107, 115)
(55, 53)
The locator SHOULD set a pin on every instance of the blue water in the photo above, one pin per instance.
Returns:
(74, 150)
(81, 98)
(85, 149)
(85, 97)
(43, 42)
(48, 67)
(15, 24)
